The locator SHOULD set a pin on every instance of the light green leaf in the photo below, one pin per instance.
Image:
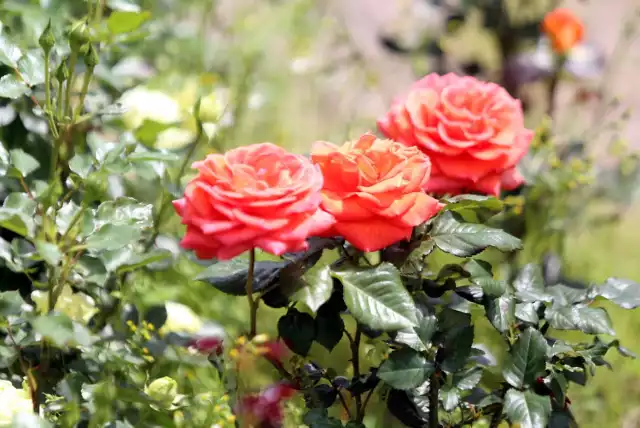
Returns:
(318, 289)
(120, 22)
(49, 252)
(31, 67)
(501, 312)
(29, 420)
(17, 214)
(11, 87)
(23, 162)
(527, 408)
(112, 237)
(529, 284)
(452, 235)
(527, 359)
(61, 330)
(622, 292)
(153, 156)
(10, 303)
(527, 312)
(583, 318)
(405, 369)
(9, 52)
(377, 298)
(450, 397)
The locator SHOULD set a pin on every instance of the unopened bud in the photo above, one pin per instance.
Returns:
(163, 390)
(46, 40)
(91, 58)
(62, 72)
(79, 35)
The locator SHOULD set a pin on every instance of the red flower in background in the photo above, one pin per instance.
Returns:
(564, 29)
(264, 410)
(473, 132)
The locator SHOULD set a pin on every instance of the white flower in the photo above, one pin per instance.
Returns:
(173, 138)
(14, 401)
(77, 306)
(141, 103)
(163, 391)
(181, 319)
(301, 65)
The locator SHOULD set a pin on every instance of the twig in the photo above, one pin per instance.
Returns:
(253, 304)
(434, 388)
(355, 360)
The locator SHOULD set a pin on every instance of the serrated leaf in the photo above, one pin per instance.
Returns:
(23, 162)
(405, 369)
(49, 252)
(583, 318)
(468, 379)
(457, 348)
(452, 235)
(490, 287)
(529, 284)
(112, 237)
(31, 67)
(527, 359)
(501, 312)
(623, 292)
(11, 87)
(10, 303)
(527, 408)
(377, 298)
(120, 22)
(527, 312)
(419, 337)
(318, 289)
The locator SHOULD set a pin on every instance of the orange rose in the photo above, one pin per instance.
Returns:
(374, 189)
(254, 196)
(472, 131)
(564, 29)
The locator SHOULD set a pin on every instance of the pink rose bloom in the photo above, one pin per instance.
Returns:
(257, 196)
(472, 131)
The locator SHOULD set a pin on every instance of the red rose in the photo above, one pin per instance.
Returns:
(253, 196)
(374, 189)
(472, 131)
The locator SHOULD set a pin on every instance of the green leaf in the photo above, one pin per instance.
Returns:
(125, 211)
(5, 160)
(11, 87)
(112, 237)
(319, 418)
(23, 162)
(468, 379)
(377, 298)
(31, 67)
(318, 289)
(81, 165)
(9, 52)
(490, 287)
(474, 202)
(527, 359)
(63, 332)
(450, 397)
(329, 327)
(65, 215)
(153, 156)
(17, 214)
(120, 22)
(49, 252)
(558, 386)
(141, 260)
(297, 330)
(527, 408)
(230, 276)
(527, 312)
(622, 292)
(529, 284)
(405, 369)
(456, 348)
(422, 333)
(583, 318)
(501, 312)
(452, 235)
(10, 303)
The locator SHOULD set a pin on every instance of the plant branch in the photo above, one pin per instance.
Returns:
(355, 360)
(253, 304)
(552, 89)
(434, 388)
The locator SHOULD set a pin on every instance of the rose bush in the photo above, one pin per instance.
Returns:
(374, 189)
(472, 131)
(254, 196)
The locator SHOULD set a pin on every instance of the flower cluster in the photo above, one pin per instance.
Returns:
(449, 135)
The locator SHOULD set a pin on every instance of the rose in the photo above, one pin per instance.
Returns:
(374, 189)
(472, 131)
(253, 196)
(163, 391)
(180, 319)
(564, 29)
(14, 401)
(142, 104)
(264, 409)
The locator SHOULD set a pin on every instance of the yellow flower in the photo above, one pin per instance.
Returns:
(143, 104)
(77, 306)
(14, 401)
(180, 319)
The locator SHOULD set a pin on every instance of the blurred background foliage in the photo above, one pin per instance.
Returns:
(295, 71)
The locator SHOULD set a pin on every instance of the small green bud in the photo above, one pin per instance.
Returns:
(62, 72)
(79, 35)
(91, 58)
(163, 390)
(46, 40)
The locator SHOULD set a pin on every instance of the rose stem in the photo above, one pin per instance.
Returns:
(253, 305)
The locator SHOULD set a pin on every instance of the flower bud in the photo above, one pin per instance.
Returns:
(62, 72)
(163, 390)
(91, 58)
(79, 34)
(46, 40)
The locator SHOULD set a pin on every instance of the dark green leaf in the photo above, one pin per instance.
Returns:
(468, 379)
(452, 235)
(23, 162)
(230, 277)
(329, 327)
(125, 211)
(501, 312)
(319, 418)
(8, 354)
(527, 408)
(622, 292)
(583, 318)
(562, 419)
(490, 287)
(49, 252)
(456, 348)
(156, 315)
(10, 303)
(558, 386)
(377, 298)
(403, 407)
(120, 22)
(405, 369)
(12, 87)
(529, 284)
(318, 289)
(564, 295)
(297, 330)
(112, 237)
(527, 359)
(527, 312)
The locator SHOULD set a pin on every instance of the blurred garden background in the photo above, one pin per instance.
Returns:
(296, 71)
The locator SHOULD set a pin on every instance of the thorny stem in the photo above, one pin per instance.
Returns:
(355, 360)
(253, 304)
(434, 388)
